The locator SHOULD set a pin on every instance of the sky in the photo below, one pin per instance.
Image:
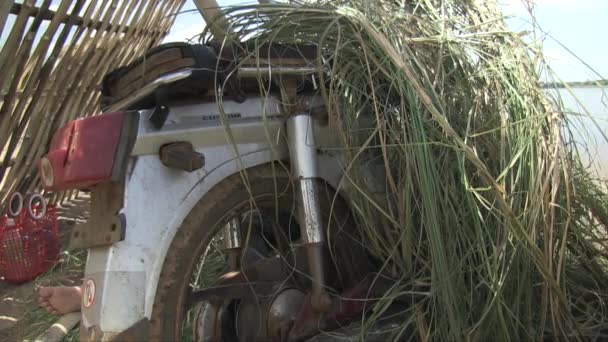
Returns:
(580, 25)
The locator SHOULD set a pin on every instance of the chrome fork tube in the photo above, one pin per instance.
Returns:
(233, 244)
(303, 156)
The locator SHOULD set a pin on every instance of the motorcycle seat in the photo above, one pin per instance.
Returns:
(206, 64)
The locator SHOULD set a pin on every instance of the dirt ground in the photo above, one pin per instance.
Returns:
(20, 317)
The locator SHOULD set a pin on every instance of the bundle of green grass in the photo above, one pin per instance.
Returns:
(490, 224)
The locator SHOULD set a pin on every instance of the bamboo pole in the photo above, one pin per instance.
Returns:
(214, 17)
(12, 43)
(10, 48)
(5, 8)
(37, 79)
(49, 14)
(57, 331)
(15, 122)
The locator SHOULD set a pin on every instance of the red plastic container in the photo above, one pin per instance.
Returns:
(28, 247)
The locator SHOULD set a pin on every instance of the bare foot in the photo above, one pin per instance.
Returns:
(60, 300)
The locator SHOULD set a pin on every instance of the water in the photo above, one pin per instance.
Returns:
(593, 100)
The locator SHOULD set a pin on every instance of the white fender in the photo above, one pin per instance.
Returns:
(124, 277)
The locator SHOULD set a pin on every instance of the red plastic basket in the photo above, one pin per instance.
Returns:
(28, 247)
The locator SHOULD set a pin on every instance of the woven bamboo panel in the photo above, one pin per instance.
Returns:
(53, 57)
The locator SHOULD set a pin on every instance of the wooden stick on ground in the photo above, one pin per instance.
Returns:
(57, 331)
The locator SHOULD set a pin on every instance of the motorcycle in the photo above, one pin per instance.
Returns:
(219, 212)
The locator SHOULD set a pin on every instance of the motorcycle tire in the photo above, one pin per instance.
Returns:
(271, 186)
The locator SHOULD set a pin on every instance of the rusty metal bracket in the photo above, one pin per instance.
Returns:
(233, 291)
(106, 224)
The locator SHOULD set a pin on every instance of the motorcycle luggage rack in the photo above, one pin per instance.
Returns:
(185, 70)
(149, 88)
(245, 72)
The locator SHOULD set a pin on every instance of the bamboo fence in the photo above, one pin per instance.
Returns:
(53, 56)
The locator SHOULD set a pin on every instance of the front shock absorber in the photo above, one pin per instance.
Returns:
(233, 244)
(303, 155)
